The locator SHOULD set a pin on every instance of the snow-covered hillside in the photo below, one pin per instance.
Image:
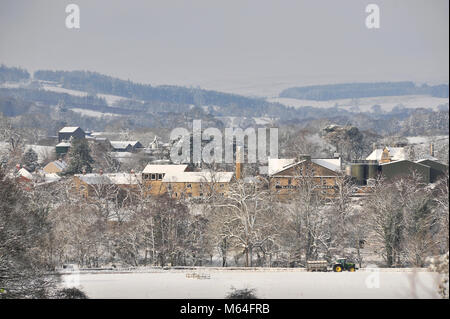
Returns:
(110, 99)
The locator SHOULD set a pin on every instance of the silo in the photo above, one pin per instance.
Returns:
(358, 173)
(372, 171)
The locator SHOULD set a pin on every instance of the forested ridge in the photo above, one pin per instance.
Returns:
(362, 90)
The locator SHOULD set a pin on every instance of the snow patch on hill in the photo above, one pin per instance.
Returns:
(91, 113)
(387, 103)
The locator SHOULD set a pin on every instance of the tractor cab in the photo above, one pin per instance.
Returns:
(341, 261)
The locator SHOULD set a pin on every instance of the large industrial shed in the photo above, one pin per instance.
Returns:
(405, 168)
(436, 169)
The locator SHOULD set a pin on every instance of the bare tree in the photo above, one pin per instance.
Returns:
(401, 218)
(248, 222)
(440, 196)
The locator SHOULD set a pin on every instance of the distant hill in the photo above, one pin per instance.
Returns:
(92, 100)
(12, 74)
(362, 90)
(93, 82)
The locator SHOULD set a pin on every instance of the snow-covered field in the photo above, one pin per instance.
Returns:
(110, 99)
(92, 113)
(174, 284)
(387, 103)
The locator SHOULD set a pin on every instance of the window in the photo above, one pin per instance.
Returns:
(153, 177)
(289, 181)
(160, 177)
(189, 186)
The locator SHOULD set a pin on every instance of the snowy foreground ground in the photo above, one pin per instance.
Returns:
(175, 284)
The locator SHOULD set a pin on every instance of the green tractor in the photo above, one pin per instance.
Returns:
(342, 264)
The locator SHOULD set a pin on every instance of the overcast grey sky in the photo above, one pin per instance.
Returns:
(231, 44)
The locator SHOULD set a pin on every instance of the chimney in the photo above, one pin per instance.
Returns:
(84, 171)
(238, 162)
(100, 171)
(18, 166)
(432, 149)
(302, 157)
(132, 171)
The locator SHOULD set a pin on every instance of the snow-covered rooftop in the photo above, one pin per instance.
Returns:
(396, 154)
(63, 144)
(110, 178)
(24, 173)
(198, 177)
(119, 144)
(394, 162)
(166, 169)
(333, 164)
(60, 164)
(277, 165)
(69, 129)
(123, 144)
(427, 157)
(51, 177)
(94, 179)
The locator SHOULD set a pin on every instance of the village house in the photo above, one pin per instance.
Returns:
(286, 175)
(55, 167)
(387, 154)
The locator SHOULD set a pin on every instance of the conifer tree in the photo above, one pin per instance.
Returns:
(30, 160)
(79, 157)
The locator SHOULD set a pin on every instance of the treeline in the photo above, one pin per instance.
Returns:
(99, 83)
(362, 90)
(51, 98)
(12, 74)
(400, 225)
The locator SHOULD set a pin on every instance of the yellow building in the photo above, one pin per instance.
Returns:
(287, 175)
(179, 183)
(152, 176)
(55, 167)
(197, 184)
(103, 184)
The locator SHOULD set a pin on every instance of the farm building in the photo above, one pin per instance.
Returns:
(404, 168)
(68, 132)
(436, 169)
(126, 146)
(62, 148)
